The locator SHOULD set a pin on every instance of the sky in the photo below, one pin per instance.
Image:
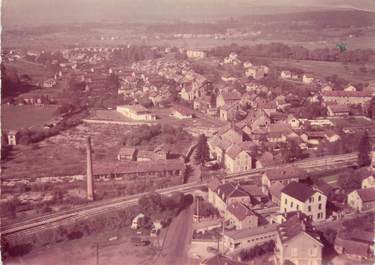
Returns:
(28, 12)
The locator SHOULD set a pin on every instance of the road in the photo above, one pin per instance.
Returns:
(177, 240)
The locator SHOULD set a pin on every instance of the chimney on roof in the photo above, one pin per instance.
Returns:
(89, 177)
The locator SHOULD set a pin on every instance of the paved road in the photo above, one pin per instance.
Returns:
(177, 240)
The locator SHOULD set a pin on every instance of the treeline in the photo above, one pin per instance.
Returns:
(132, 54)
(317, 19)
(280, 50)
(156, 133)
(187, 28)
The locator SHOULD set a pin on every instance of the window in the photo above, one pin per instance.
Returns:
(320, 206)
(309, 208)
(291, 204)
(311, 199)
(297, 207)
(294, 252)
(286, 201)
(319, 198)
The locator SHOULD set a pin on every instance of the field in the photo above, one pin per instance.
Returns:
(83, 251)
(26, 116)
(64, 154)
(349, 72)
(36, 71)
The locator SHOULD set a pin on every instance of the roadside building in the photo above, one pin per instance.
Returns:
(240, 216)
(283, 175)
(299, 197)
(355, 244)
(227, 194)
(181, 113)
(368, 182)
(238, 158)
(307, 79)
(338, 110)
(347, 97)
(127, 153)
(362, 199)
(236, 240)
(298, 242)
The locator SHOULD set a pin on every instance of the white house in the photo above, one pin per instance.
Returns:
(368, 182)
(135, 222)
(362, 199)
(299, 197)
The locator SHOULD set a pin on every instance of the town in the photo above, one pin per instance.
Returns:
(118, 152)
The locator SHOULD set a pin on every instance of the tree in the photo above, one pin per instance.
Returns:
(202, 153)
(291, 151)
(364, 151)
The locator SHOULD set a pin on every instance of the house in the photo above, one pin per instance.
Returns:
(267, 159)
(227, 194)
(49, 83)
(331, 136)
(283, 175)
(368, 182)
(286, 74)
(246, 238)
(256, 72)
(127, 153)
(307, 79)
(238, 158)
(298, 242)
(275, 192)
(203, 103)
(350, 88)
(240, 216)
(136, 112)
(136, 220)
(362, 199)
(338, 110)
(227, 98)
(347, 97)
(220, 260)
(327, 88)
(228, 111)
(181, 112)
(187, 92)
(195, 54)
(12, 137)
(299, 197)
(356, 244)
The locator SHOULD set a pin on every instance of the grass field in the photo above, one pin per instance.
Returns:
(37, 72)
(26, 116)
(349, 72)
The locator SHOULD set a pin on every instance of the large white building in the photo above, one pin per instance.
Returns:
(299, 197)
(136, 112)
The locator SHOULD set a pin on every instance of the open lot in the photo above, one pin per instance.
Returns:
(64, 154)
(15, 117)
(350, 72)
(84, 251)
(36, 71)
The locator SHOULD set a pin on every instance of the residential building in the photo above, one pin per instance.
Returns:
(227, 98)
(136, 112)
(256, 72)
(299, 197)
(246, 238)
(136, 220)
(283, 175)
(347, 97)
(286, 74)
(338, 110)
(227, 194)
(228, 111)
(368, 182)
(12, 137)
(362, 199)
(240, 216)
(307, 79)
(298, 242)
(195, 54)
(127, 153)
(238, 158)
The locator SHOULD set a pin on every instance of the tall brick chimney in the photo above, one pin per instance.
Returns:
(89, 178)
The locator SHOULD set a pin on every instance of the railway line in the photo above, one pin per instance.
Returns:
(54, 220)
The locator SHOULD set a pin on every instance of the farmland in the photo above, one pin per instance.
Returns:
(26, 116)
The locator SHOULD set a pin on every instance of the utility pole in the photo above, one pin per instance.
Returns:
(97, 253)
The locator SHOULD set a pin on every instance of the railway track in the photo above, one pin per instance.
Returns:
(54, 220)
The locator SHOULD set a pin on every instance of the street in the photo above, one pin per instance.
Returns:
(177, 240)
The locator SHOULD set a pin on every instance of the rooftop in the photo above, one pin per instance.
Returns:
(245, 233)
(298, 191)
